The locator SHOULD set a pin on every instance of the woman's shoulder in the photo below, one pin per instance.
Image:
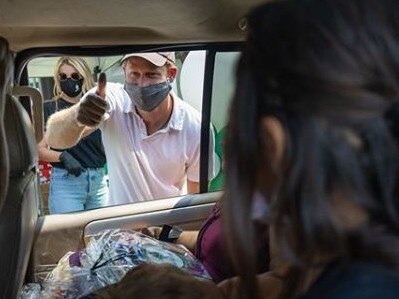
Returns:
(355, 280)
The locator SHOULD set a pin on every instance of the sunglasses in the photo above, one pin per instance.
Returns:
(73, 76)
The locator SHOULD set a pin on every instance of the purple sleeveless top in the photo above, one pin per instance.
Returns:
(211, 248)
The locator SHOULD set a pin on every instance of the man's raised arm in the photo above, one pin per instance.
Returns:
(63, 129)
(66, 127)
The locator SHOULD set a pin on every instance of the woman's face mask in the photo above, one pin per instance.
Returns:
(149, 97)
(72, 88)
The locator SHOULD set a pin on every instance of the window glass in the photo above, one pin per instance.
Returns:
(188, 86)
(222, 92)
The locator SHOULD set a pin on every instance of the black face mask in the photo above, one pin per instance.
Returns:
(71, 88)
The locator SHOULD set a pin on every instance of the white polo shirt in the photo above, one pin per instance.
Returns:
(141, 166)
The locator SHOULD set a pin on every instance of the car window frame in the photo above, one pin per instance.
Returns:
(23, 57)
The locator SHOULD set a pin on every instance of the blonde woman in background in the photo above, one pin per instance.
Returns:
(77, 179)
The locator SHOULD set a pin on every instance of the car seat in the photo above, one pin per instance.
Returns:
(19, 212)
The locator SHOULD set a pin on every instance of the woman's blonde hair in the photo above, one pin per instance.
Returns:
(80, 66)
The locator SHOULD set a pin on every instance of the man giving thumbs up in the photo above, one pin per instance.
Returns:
(151, 137)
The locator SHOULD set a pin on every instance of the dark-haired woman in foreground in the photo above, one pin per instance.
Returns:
(316, 101)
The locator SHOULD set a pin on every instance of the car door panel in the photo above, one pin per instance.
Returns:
(67, 232)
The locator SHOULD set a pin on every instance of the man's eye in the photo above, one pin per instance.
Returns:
(152, 75)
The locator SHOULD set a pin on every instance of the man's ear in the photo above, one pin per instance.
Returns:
(124, 69)
(172, 73)
(275, 140)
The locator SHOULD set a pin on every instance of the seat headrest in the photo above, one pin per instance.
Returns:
(21, 142)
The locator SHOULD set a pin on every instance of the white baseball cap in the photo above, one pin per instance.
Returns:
(156, 58)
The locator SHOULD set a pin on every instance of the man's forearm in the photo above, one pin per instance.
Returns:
(63, 130)
(192, 187)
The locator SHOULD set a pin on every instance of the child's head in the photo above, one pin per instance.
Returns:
(149, 281)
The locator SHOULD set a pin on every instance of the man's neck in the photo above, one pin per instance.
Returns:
(156, 119)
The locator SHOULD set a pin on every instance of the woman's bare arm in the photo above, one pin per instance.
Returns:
(188, 239)
(47, 154)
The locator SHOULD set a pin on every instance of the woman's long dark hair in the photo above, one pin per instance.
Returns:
(329, 71)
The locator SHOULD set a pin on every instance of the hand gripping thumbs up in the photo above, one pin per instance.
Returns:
(92, 107)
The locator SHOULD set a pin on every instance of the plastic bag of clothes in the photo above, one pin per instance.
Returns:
(107, 258)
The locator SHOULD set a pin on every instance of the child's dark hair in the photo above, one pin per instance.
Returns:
(159, 282)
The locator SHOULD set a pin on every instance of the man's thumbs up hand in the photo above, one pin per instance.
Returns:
(102, 83)
(92, 107)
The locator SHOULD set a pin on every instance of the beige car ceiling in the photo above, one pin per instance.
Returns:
(46, 23)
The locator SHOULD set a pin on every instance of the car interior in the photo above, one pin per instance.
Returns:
(211, 30)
